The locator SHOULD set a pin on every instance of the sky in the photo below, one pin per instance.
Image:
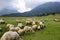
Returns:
(22, 5)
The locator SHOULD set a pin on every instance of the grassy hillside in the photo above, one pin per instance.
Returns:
(51, 32)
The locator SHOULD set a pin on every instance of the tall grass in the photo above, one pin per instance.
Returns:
(51, 32)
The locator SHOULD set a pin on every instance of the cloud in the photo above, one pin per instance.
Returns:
(22, 5)
(34, 3)
(19, 5)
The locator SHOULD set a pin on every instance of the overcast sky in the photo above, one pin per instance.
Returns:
(22, 5)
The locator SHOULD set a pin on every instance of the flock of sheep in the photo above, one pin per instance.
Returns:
(14, 33)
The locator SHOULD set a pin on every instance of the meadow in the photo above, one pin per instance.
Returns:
(50, 32)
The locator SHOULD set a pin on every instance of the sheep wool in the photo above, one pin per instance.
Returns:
(10, 35)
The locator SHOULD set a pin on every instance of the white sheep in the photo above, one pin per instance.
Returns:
(20, 25)
(38, 27)
(57, 20)
(21, 32)
(10, 26)
(2, 21)
(34, 22)
(10, 35)
(17, 28)
(34, 27)
(28, 22)
(42, 25)
(28, 29)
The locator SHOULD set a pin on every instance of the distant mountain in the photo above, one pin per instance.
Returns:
(44, 9)
(50, 7)
(7, 11)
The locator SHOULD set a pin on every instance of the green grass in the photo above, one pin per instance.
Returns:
(51, 32)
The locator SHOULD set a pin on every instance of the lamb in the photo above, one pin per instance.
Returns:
(10, 35)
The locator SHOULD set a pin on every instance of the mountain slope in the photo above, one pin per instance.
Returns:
(46, 8)
(50, 7)
(7, 11)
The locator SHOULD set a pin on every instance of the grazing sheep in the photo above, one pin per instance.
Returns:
(12, 29)
(34, 27)
(28, 29)
(42, 25)
(17, 28)
(9, 26)
(34, 22)
(2, 21)
(38, 27)
(10, 35)
(20, 25)
(21, 32)
(57, 20)
(28, 22)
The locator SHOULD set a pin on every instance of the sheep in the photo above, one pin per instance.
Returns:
(11, 35)
(21, 32)
(9, 26)
(28, 22)
(2, 21)
(57, 20)
(38, 27)
(42, 25)
(33, 22)
(25, 29)
(20, 25)
(17, 28)
(34, 27)
(28, 29)
(12, 29)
